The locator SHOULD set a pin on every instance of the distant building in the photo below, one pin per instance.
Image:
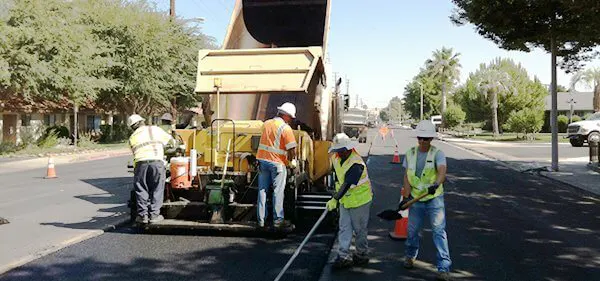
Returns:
(582, 103)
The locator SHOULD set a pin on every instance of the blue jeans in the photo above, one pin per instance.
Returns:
(270, 174)
(435, 210)
(356, 221)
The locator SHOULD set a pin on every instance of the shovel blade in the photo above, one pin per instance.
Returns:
(390, 215)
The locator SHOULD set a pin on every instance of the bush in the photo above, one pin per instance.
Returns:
(8, 147)
(563, 123)
(526, 121)
(587, 116)
(60, 131)
(575, 118)
(454, 116)
(49, 140)
(86, 140)
(114, 133)
(30, 135)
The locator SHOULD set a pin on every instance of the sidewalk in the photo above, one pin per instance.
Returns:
(572, 171)
(11, 166)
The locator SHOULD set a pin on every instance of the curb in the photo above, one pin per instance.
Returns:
(540, 173)
(122, 219)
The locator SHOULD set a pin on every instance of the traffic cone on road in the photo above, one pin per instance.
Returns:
(396, 159)
(51, 172)
(401, 227)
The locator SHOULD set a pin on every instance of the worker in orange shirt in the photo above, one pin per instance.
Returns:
(277, 145)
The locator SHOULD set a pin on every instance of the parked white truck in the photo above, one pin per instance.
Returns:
(354, 122)
(584, 131)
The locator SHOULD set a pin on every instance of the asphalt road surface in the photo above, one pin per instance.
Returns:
(502, 225)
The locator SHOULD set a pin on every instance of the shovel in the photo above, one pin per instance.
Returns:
(392, 215)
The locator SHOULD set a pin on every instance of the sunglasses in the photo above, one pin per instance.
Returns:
(424, 139)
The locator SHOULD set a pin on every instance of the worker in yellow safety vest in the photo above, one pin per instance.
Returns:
(277, 143)
(425, 173)
(354, 195)
(147, 144)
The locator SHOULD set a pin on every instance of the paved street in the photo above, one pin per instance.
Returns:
(502, 225)
(46, 214)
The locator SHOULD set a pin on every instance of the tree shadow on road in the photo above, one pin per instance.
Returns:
(115, 197)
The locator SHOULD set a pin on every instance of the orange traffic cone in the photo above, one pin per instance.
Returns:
(51, 172)
(396, 159)
(400, 229)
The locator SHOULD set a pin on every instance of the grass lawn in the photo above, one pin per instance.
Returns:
(512, 137)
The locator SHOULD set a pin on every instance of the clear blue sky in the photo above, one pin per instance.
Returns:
(380, 44)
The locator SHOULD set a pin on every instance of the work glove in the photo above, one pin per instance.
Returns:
(332, 204)
(404, 201)
(432, 188)
(293, 163)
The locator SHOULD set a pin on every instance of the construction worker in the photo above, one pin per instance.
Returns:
(277, 145)
(425, 173)
(147, 144)
(189, 119)
(166, 121)
(354, 194)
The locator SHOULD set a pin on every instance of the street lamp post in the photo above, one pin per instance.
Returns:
(421, 87)
(571, 102)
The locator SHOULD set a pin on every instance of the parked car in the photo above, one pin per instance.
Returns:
(436, 120)
(584, 131)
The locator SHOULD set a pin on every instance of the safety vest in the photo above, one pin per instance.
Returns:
(419, 184)
(358, 194)
(147, 143)
(277, 137)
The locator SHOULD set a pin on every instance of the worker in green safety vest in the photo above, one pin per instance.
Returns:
(425, 173)
(354, 195)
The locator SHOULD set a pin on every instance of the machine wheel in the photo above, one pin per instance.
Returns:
(576, 142)
(289, 204)
(593, 136)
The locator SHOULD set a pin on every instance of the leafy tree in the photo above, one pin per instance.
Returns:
(526, 121)
(491, 83)
(525, 92)
(383, 115)
(564, 28)
(431, 95)
(444, 66)
(591, 77)
(394, 109)
(454, 116)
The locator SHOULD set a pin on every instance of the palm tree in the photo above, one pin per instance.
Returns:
(589, 77)
(444, 66)
(492, 82)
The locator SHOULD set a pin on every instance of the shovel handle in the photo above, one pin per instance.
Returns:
(413, 201)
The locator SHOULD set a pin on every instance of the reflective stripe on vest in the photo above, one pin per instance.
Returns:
(272, 146)
(358, 194)
(145, 149)
(420, 183)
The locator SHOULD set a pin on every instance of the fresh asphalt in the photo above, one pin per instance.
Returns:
(502, 225)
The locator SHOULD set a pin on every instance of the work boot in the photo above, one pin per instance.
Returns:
(282, 224)
(141, 219)
(443, 276)
(360, 259)
(341, 263)
(156, 219)
(409, 263)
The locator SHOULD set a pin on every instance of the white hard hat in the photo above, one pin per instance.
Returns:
(426, 129)
(341, 142)
(134, 119)
(288, 108)
(167, 117)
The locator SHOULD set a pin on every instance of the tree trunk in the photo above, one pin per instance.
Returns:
(495, 114)
(75, 124)
(596, 100)
(443, 97)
